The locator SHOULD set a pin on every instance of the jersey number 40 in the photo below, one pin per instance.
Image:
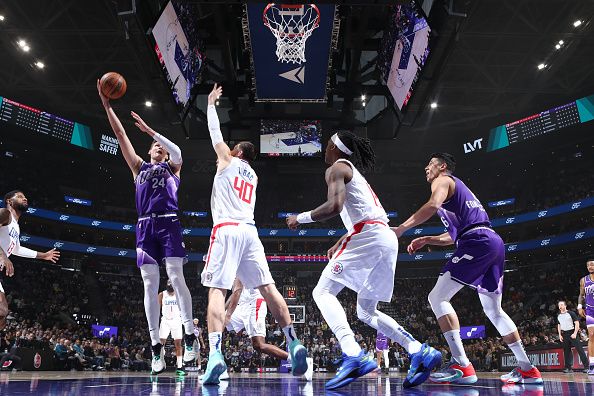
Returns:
(244, 189)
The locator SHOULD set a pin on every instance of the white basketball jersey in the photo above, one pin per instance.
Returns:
(361, 203)
(249, 296)
(169, 308)
(9, 237)
(234, 193)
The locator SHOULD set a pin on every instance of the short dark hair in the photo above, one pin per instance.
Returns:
(10, 195)
(445, 158)
(249, 151)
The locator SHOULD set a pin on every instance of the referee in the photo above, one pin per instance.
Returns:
(568, 327)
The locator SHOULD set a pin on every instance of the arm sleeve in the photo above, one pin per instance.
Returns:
(172, 148)
(25, 252)
(574, 317)
(214, 126)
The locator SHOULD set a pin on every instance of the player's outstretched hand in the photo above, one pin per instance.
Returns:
(6, 263)
(215, 94)
(416, 244)
(292, 222)
(104, 99)
(140, 124)
(51, 255)
(332, 250)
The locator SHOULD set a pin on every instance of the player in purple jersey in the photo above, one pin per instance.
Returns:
(158, 232)
(382, 347)
(477, 262)
(586, 309)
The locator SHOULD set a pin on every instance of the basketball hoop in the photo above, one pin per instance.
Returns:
(291, 24)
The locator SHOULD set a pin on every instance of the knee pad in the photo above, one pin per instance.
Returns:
(439, 304)
(364, 315)
(497, 316)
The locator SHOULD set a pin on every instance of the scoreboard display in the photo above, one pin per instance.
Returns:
(39, 121)
(290, 292)
(576, 112)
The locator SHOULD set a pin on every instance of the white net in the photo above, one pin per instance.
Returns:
(291, 27)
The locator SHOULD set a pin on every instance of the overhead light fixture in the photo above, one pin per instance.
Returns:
(541, 66)
(558, 46)
(39, 64)
(577, 23)
(217, 102)
(433, 105)
(1, 18)
(148, 103)
(363, 103)
(21, 43)
(363, 97)
(561, 42)
(26, 48)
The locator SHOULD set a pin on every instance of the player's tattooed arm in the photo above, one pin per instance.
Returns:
(5, 217)
(581, 298)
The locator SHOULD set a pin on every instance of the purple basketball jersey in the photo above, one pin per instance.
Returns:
(156, 189)
(462, 211)
(589, 288)
(381, 342)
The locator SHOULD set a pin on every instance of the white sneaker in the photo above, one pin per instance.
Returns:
(309, 373)
(223, 377)
(189, 351)
(158, 362)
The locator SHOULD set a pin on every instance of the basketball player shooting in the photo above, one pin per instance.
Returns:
(478, 262)
(158, 231)
(235, 249)
(16, 204)
(364, 260)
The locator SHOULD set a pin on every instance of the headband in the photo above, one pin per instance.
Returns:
(336, 140)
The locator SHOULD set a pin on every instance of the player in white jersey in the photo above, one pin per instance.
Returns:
(364, 260)
(246, 309)
(171, 323)
(16, 204)
(235, 249)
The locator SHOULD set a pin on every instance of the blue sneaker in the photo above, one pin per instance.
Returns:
(298, 358)
(421, 364)
(215, 367)
(351, 368)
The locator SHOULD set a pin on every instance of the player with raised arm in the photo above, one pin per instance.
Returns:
(16, 204)
(364, 260)
(586, 309)
(477, 262)
(235, 250)
(158, 231)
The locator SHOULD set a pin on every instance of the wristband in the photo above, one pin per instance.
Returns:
(304, 217)
(579, 306)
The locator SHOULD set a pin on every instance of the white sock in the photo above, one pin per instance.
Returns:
(214, 341)
(520, 353)
(179, 361)
(456, 347)
(175, 272)
(289, 333)
(150, 279)
(336, 318)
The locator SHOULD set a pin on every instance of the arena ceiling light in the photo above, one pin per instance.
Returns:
(23, 45)
(148, 103)
(1, 18)
(577, 23)
(541, 66)
(363, 97)
(39, 64)
(433, 105)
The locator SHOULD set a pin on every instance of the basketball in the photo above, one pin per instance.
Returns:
(113, 85)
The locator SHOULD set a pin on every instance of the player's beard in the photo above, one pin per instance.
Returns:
(21, 207)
